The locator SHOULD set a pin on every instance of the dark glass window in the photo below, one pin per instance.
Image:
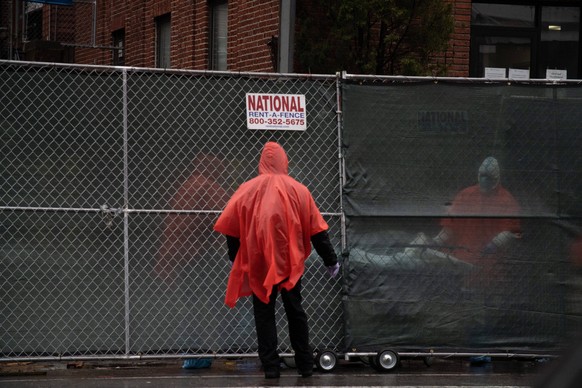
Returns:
(529, 36)
(119, 50)
(163, 24)
(559, 47)
(218, 35)
(508, 52)
(34, 23)
(504, 15)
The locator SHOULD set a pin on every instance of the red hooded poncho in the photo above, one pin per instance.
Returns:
(274, 216)
(472, 234)
(187, 236)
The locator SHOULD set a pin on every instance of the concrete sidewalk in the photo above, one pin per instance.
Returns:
(247, 373)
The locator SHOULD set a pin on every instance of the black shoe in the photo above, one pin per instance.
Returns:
(272, 374)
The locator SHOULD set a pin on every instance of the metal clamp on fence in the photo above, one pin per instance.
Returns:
(108, 214)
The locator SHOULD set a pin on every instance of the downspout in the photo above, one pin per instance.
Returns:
(286, 35)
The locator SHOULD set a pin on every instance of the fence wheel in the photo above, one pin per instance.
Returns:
(385, 360)
(325, 360)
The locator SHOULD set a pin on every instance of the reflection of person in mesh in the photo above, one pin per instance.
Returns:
(479, 240)
(187, 235)
(473, 238)
(270, 223)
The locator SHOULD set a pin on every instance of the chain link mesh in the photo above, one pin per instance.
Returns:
(113, 177)
(112, 180)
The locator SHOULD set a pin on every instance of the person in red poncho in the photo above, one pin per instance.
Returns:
(270, 223)
(186, 236)
(474, 239)
(485, 225)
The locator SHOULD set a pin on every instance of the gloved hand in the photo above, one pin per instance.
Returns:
(230, 263)
(333, 270)
(490, 248)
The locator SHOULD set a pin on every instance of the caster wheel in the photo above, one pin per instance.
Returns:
(385, 361)
(326, 360)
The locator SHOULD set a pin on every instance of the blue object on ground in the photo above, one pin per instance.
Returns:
(478, 360)
(197, 363)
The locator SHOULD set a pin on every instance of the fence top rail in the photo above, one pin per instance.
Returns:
(344, 75)
(473, 80)
(248, 74)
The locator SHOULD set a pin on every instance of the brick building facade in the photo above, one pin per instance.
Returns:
(251, 24)
(253, 28)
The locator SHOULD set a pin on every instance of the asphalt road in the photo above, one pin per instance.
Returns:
(247, 373)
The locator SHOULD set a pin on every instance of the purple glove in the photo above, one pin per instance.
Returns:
(490, 248)
(333, 270)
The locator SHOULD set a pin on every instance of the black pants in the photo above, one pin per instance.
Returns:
(266, 327)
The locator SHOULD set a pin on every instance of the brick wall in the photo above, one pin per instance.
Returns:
(457, 56)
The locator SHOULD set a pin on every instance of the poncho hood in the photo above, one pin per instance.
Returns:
(274, 216)
(273, 160)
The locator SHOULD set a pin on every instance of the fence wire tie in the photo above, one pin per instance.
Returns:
(108, 214)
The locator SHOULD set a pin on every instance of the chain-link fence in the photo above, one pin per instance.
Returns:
(112, 180)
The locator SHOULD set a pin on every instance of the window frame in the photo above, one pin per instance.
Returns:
(118, 36)
(214, 60)
(163, 54)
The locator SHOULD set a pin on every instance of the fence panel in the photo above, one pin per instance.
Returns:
(112, 180)
(194, 130)
(437, 260)
(62, 258)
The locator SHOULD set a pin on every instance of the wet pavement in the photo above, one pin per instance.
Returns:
(246, 372)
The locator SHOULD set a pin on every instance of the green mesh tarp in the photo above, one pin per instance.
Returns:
(411, 149)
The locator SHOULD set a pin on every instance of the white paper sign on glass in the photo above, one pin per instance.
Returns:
(556, 74)
(495, 73)
(518, 74)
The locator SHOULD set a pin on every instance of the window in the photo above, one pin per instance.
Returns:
(509, 52)
(33, 22)
(163, 31)
(528, 36)
(503, 15)
(118, 38)
(559, 41)
(218, 34)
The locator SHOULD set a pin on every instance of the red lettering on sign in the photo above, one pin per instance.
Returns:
(275, 103)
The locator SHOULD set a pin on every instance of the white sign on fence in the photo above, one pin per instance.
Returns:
(276, 111)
